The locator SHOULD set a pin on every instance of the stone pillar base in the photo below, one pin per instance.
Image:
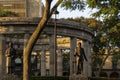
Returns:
(78, 77)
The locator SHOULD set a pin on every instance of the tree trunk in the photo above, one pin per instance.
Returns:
(28, 48)
(30, 45)
(101, 66)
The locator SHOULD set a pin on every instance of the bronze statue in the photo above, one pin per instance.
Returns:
(10, 58)
(81, 54)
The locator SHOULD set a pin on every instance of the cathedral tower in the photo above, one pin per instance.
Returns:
(24, 8)
(34, 8)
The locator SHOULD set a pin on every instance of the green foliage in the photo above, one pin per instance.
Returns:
(102, 78)
(10, 77)
(81, 20)
(116, 57)
(109, 11)
(8, 14)
(105, 7)
(98, 78)
(50, 78)
(73, 4)
(108, 36)
(112, 30)
(96, 61)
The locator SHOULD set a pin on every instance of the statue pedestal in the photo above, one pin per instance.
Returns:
(78, 77)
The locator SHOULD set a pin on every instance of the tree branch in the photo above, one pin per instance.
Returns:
(55, 7)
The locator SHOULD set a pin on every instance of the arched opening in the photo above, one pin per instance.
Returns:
(114, 75)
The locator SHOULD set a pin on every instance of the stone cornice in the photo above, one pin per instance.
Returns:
(12, 25)
(35, 21)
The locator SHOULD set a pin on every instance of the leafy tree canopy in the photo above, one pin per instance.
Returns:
(105, 8)
(73, 4)
(109, 11)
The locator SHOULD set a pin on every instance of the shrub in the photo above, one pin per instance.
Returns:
(102, 78)
(50, 77)
(10, 77)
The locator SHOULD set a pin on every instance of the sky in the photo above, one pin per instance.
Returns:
(72, 14)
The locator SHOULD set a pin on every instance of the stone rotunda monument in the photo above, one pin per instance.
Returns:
(68, 34)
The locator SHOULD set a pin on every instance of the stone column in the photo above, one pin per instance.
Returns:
(26, 38)
(2, 56)
(87, 64)
(25, 41)
(52, 55)
(39, 61)
(43, 63)
(41, 8)
(72, 50)
(89, 59)
(59, 63)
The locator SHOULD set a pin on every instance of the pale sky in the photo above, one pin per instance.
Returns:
(72, 14)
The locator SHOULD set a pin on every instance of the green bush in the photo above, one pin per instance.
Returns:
(50, 78)
(97, 78)
(102, 78)
(10, 77)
